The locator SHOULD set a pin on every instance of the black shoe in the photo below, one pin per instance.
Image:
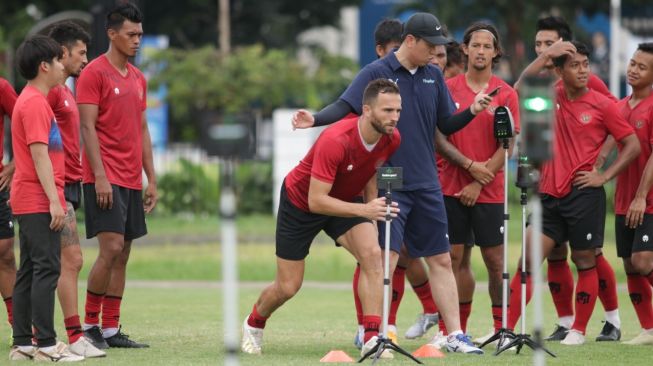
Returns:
(94, 335)
(609, 333)
(121, 340)
(558, 334)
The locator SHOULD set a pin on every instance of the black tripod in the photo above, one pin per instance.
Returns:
(504, 333)
(383, 342)
(522, 339)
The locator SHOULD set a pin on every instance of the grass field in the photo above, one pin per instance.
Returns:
(183, 321)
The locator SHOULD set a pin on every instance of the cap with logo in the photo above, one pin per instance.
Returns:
(427, 27)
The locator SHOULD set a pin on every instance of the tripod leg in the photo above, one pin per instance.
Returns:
(398, 349)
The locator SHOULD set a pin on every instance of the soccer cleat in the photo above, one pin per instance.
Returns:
(252, 339)
(461, 343)
(481, 340)
(644, 338)
(21, 353)
(558, 334)
(121, 340)
(94, 335)
(423, 323)
(609, 333)
(573, 338)
(439, 340)
(386, 354)
(82, 347)
(358, 338)
(59, 354)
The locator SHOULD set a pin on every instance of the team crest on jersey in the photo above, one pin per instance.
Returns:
(65, 102)
(457, 105)
(116, 91)
(350, 167)
(639, 124)
(585, 118)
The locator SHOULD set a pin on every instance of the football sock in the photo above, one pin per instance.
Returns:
(398, 285)
(92, 309)
(9, 304)
(371, 324)
(561, 285)
(607, 285)
(514, 300)
(357, 299)
(425, 296)
(586, 293)
(73, 328)
(465, 308)
(255, 320)
(640, 294)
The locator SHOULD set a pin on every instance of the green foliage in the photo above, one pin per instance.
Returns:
(254, 187)
(189, 190)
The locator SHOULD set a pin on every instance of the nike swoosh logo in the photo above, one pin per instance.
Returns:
(438, 28)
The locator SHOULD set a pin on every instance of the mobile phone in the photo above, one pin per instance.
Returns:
(494, 92)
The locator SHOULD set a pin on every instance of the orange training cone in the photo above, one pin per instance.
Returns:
(428, 351)
(337, 356)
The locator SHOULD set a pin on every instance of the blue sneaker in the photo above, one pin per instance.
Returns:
(462, 343)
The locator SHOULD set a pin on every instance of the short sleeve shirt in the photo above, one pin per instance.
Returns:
(33, 122)
(65, 110)
(339, 157)
(476, 140)
(640, 119)
(121, 100)
(7, 100)
(424, 100)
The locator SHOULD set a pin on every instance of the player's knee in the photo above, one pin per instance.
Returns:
(288, 289)
(583, 259)
(8, 260)
(72, 262)
(641, 264)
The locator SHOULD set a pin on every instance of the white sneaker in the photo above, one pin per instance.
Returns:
(82, 347)
(59, 354)
(439, 340)
(252, 339)
(386, 354)
(22, 353)
(483, 339)
(462, 344)
(573, 338)
(644, 338)
(423, 323)
(392, 334)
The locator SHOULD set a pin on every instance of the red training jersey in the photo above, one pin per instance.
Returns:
(339, 157)
(641, 120)
(7, 100)
(121, 101)
(580, 129)
(476, 141)
(65, 110)
(33, 122)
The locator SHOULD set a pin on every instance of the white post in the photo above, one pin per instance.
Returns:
(536, 276)
(229, 264)
(615, 61)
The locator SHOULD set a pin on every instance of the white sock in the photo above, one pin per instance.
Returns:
(109, 332)
(613, 318)
(453, 335)
(392, 328)
(50, 349)
(89, 326)
(566, 321)
(26, 349)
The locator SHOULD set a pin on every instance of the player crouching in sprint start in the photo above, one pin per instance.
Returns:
(319, 194)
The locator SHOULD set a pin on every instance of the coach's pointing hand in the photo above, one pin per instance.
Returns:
(376, 209)
(302, 119)
(103, 193)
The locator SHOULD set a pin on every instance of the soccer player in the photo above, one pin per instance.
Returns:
(318, 195)
(552, 40)
(633, 194)
(37, 202)
(7, 260)
(422, 223)
(455, 61)
(387, 37)
(73, 40)
(474, 209)
(111, 94)
(571, 187)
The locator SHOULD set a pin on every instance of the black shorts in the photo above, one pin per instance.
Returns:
(481, 224)
(6, 219)
(125, 217)
(72, 192)
(578, 217)
(630, 240)
(297, 228)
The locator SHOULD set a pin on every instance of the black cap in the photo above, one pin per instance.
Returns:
(427, 27)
